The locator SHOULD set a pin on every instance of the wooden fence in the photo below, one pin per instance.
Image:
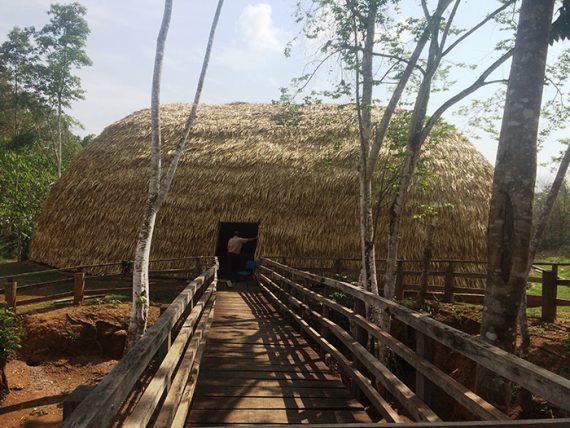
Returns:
(89, 280)
(303, 297)
(448, 280)
(175, 343)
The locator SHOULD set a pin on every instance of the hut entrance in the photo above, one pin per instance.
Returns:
(225, 232)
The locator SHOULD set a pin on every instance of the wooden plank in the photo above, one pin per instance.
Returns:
(190, 388)
(160, 383)
(271, 416)
(42, 299)
(551, 387)
(262, 383)
(413, 404)
(104, 401)
(263, 366)
(304, 360)
(179, 383)
(367, 388)
(529, 423)
(239, 335)
(271, 391)
(262, 375)
(277, 403)
(454, 389)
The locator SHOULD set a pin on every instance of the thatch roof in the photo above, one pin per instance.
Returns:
(299, 180)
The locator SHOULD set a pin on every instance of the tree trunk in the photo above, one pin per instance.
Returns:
(59, 143)
(368, 276)
(140, 303)
(428, 255)
(539, 229)
(510, 214)
(413, 147)
(158, 189)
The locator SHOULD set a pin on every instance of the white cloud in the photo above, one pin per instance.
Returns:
(258, 30)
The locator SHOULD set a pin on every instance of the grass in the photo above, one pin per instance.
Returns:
(563, 271)
(14, 268)
(157, 294)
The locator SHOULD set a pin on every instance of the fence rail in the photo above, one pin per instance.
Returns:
(176, 343)
(304, 297)
(448, 279)
(78, 283)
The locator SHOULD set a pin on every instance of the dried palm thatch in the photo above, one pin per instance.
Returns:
(295, 172)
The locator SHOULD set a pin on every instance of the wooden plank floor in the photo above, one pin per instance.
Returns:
(257, 369)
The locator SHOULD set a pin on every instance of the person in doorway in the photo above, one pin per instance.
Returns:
(235, 245)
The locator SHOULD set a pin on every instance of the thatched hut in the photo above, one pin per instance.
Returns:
(291, 173)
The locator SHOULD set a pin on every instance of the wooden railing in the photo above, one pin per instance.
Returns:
(448, 280)
(89, 280)
(303, 296)
(175, 343)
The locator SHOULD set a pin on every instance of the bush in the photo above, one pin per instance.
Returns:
(10, 342)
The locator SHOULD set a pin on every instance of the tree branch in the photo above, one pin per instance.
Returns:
(167, 180)
(448, 24)
(475, 28)
(382, 127)
(464, 93)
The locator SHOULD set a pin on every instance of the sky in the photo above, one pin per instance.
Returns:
(247, 63)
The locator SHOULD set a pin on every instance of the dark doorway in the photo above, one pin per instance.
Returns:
(225, 232)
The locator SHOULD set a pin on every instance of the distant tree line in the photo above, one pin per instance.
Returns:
(37, 87)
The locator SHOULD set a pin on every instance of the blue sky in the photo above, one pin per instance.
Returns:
(247, 64)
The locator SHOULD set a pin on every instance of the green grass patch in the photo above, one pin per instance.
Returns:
(15, 268)
(562, 293)
(563, 271)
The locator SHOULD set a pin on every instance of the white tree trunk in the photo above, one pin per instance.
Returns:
(140, 302)
(158, 189)
(368, 253)
(59, 142)
(413, 147)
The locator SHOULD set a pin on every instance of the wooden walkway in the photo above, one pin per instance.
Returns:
(258, 370)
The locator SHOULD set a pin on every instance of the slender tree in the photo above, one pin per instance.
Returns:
(510, 214)
(358, 44)
(421, 126)
(159, 185)
(62, 42)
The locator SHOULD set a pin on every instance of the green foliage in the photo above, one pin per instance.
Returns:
(62, 42)
(110, 299)
(342, 299)
(11, 333)
(26, 174)
(37, 83)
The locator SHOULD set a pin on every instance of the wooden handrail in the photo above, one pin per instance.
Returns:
(79, 267)
(475, 404)
(548, 385)
(101, 405)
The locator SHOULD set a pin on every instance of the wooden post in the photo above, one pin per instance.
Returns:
(361, 336)
(78, 288)
(448, 285)
(399, 291)
(165, 347)
(338, 267)
(75, 398)
(10, 292)
(549, 291)
(424, 349)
